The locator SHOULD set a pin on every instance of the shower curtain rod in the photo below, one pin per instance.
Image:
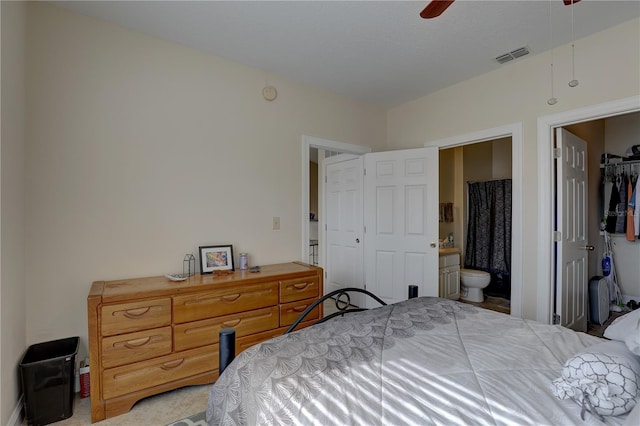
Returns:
(488, 180)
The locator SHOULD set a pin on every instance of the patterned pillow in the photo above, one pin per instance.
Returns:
(604, 379)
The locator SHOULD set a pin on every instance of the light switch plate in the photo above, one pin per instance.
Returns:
(276, 223)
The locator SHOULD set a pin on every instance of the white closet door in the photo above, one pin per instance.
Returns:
(401, 222)
(571, 210)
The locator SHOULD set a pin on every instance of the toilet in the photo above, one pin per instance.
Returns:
(472, 282)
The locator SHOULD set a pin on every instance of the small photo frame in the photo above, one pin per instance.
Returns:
(216, 258)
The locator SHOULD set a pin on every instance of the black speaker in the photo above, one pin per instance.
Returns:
(227, 347)
(413, 291)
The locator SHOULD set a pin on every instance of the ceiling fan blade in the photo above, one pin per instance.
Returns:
(570, 2)
(435, 8)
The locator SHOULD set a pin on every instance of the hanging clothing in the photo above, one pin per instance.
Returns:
(630, 231)
(621, 210)
(612, 213)
(635, 203)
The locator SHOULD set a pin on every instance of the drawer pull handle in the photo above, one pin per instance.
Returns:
(134, 344)
(231, 323)
(299, 308)
(301, 286)
(172, 364)
(136, 313)
(230, 297)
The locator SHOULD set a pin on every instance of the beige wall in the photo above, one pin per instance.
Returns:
(621, 132)
(447, 184)
(140, 150)
(502, 164)
(518, 92)
(12, 260)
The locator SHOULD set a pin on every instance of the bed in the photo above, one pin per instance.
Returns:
(417, 362)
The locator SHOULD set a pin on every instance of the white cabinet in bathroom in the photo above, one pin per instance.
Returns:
(449, 276)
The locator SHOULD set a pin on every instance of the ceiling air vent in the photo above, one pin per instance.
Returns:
(512, 55)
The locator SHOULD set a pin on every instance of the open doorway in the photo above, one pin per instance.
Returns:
(313, 151)
(485, 169)
(608, 141)
(577, 121)
(512, 133)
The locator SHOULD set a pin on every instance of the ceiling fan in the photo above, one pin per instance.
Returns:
(436, 7)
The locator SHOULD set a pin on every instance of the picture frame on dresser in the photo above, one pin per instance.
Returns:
(216, 258)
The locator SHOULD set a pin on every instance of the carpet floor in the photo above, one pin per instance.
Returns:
(195, 420)
(157, 410)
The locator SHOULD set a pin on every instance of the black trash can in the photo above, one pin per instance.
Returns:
(47, 375)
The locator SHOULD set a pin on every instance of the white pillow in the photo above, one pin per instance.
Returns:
(604, 378)
(626, 329)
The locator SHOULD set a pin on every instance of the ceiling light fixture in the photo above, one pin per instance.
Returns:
(573, 82)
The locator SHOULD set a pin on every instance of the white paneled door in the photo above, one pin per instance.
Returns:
(344, 228)
(571, 227)
(401, 222)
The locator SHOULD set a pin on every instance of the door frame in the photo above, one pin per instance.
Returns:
(546, 126)
(514, 131)
(307, 143)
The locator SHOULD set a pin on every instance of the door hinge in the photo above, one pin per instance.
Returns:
(365, 228)
(364, 172)
(556, 319)
(557, 236)
(557, 152)
(325, 227)
(325, 178)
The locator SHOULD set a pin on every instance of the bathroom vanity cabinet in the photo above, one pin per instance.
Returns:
(449, 274)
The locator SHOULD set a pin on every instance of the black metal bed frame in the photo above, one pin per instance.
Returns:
(343, 306)
(228, 335)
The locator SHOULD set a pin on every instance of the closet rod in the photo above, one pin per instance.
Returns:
(620, 163)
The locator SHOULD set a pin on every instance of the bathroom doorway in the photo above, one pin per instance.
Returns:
(487, 162)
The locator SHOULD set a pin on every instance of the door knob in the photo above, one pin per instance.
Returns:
(433, 245)
(357, 240)
(589, 248)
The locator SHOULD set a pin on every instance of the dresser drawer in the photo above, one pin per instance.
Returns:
(135, 316)
(289, 312)
(243, 343)
(193, 307)
(127, 379)
(134, 347)
(207, 332)
(299, 289)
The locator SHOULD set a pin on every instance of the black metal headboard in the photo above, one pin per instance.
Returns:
(343, 306)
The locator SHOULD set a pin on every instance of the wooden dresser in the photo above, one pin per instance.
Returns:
(150, 335)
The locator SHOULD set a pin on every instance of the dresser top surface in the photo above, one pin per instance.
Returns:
(161, 285)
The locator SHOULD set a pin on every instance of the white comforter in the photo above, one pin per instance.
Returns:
(418, 362)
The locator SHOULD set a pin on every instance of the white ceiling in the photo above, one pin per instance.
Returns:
(379, 52)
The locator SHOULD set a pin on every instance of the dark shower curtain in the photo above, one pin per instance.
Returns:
(489, 233)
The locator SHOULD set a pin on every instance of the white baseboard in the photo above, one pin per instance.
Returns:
(16, 415)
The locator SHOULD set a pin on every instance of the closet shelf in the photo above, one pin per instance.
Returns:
(619, 163)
